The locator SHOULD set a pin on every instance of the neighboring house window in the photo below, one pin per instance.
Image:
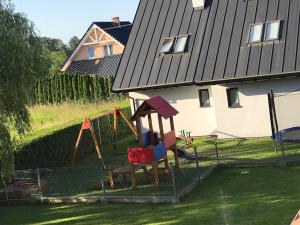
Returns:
(255, 33)
(108, 50)
(91, 53)
(204, 98)
(167, 46)
(181, 44)
(233, 98)
(272, 31)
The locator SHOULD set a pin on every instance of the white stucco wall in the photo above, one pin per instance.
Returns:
(250, 120)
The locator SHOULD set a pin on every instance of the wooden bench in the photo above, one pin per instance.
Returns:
(129, 170)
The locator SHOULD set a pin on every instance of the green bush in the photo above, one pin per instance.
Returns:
(56, 150)
(62, 87)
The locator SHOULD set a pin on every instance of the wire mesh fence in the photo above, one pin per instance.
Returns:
(27, 185)
(91, 180)
(88, 179)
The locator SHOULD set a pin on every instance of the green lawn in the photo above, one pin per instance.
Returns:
(51, 118)
(85, 174)
(262, 196)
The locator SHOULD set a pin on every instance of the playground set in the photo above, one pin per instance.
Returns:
(153, 147)
(153, 150)
(87, 125)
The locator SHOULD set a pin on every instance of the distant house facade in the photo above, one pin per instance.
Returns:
(215, 61)
(100, 49)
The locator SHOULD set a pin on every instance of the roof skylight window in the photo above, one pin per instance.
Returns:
(255, 33)
(272, 31)
(167, 46)
(181, 44)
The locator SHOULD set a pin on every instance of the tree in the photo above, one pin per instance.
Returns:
(23, 61)
(74, 41)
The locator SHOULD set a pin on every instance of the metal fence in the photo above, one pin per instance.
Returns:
(88, 180)
(26, 186)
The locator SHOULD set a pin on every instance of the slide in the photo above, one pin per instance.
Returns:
(184, 154)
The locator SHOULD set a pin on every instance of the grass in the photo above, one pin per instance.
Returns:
(85, 174)
(268, 196)
(50, 118)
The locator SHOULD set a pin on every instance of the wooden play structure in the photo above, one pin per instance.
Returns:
(88, 125)
(152, 151)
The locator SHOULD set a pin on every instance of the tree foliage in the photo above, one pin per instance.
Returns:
(72, 44)
(23, 60)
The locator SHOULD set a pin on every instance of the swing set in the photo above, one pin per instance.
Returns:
(88, 125)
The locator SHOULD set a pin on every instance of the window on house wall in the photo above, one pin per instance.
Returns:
(181, 44)
(167, 46)
(255, 33)
(204, 98)
(233, 98)
(272, 31)
(108, 50)
(91, 53)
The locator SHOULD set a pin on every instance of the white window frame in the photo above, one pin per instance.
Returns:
(185, 46)
(233, 104)
(202, 103)
(261, 33)
(170, 49)
(110, 50)
(89, 48)
(278, 31)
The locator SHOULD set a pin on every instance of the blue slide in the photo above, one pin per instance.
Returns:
(184, 154)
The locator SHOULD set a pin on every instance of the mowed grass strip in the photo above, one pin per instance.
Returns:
(50, 118)
(268, 196)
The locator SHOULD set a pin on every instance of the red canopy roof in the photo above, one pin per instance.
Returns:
(157, 104)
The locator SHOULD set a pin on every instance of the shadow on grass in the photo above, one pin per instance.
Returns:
(231, 196)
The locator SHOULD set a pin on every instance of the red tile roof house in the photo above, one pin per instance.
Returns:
(215, 61)
(100, 49)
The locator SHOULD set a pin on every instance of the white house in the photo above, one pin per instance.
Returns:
(215, 63)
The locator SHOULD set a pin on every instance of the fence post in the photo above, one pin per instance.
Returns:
(102, 183)
(5, 190)
(39, 183)
(173, 180)
(283, 161)
(197, 163)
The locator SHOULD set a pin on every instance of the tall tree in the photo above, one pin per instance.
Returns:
(72, 44)
(22, 62)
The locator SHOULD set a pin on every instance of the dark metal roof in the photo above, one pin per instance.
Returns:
(104, 67)
(105, 25)
(108, 66)
(120, 33)
(217, 50)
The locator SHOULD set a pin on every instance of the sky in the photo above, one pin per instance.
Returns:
(63, 19)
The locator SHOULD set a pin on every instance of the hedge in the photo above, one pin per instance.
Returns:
(56, 149)
(62, 87)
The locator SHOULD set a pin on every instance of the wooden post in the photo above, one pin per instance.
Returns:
(139, 131)
(151, 128)
(156, 173)
(172, 124)
(115, 120)
(111, 178)
(127, 122)
(77, 145)
(97, 147)
(161, 128)
(133, 177)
